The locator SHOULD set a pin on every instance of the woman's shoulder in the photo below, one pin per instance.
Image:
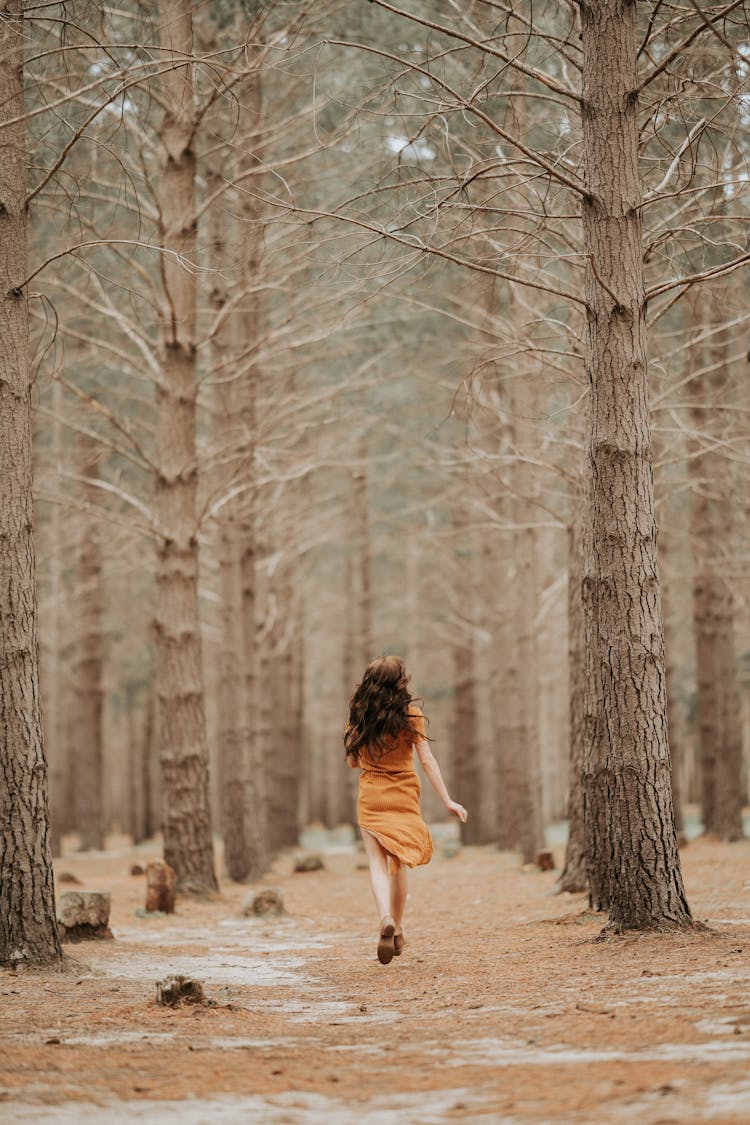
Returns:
(417, 720)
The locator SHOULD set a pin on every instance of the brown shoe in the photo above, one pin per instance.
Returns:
(399, 941)
(386, 946)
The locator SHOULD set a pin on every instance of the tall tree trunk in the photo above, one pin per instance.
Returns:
(137, 792)
(286, 746)
(668, 568)
(89, 688)
(633, 859)
(51, 654)
(465, 748)
(719, 722)
(573, 877)
(181, 707)
(234, 732)
(531, 837)
(28, 928)
(151, 774)
(507, 717)
(364, 538)
(229, 443)
(247, 324)
(524, 407)
(255, 783)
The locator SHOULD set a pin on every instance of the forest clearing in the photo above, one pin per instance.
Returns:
(503, 1008)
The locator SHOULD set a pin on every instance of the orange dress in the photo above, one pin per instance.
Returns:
(388, 804)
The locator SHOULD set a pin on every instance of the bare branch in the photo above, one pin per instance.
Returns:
(692, 279)
(684, 44)
(569, 181)
(510, 60)
(436, 251)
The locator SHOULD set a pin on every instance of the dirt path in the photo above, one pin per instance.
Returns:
(503, 1008)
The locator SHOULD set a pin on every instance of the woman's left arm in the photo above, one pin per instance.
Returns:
(435, 778)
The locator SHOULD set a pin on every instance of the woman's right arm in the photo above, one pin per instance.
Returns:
(435, 778)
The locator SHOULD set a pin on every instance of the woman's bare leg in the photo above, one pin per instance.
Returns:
(398, 889)
(381, 884)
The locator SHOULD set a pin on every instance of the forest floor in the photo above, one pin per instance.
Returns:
(503, 1007)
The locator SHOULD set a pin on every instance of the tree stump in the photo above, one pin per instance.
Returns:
(160, 887)
(267, 901)
(308, 863)
(545, 861)
(176, 990)
(84, 916)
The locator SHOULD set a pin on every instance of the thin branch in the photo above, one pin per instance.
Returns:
(99, 408)
(561, 177)
(699, 125)
(127, 497)
(682, 46)
(421, 248)
(529, 71)
(16, 290)
(691, 279)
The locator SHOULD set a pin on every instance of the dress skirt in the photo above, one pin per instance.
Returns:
(388, 806)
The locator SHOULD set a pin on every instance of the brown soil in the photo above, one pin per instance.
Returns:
(503, 1007)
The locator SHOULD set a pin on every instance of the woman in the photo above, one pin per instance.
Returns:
(385, 727)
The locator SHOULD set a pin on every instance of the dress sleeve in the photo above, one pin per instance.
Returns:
(417, 720)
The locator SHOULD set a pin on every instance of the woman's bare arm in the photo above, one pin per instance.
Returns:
(435, 778)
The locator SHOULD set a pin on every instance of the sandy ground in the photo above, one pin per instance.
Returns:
(503, 1007)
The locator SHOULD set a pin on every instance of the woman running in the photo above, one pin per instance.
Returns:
(385, 727)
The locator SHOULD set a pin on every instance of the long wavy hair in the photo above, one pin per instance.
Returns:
(379, 709)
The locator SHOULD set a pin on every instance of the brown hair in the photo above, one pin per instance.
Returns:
(380, 709)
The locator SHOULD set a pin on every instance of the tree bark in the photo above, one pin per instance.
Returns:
(633, 859)
(246, 330)
(506, 712)
(364, 539)
(229, 438)
(181, 724)
(465, 747)
(257, 814)
(51, 652)
(574, 876)
(89, 688)
(531, 830)
(28, 928)
(668, 568)
(718, 713)
(524, 441)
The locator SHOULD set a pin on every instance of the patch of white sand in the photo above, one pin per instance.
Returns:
(291, 1108)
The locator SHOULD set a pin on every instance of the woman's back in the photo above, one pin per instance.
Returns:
(394, 758)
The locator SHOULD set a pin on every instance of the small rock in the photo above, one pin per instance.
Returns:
(161, 883)
(176, 990)
(310, 862)
(69, 877)
(84, 915)
(136, 869)
(267, 901)
(545, 861)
